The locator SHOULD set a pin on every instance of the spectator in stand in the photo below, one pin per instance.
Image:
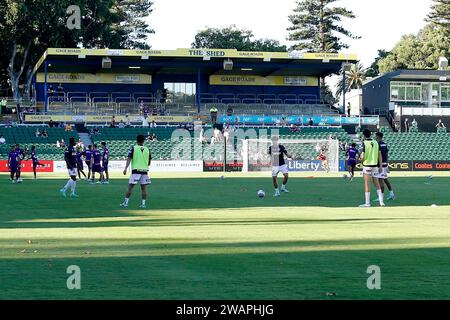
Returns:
(293, 128)
(164, 95)
(214, 111)
(2, 140)
(112, 124)
(158, 95)
(50, 91)
(145, 122)
(3, 104)
(153, 124)
(278, 122)
(95, 131)
(60, 92)
(37, 134)
(62, 125)
(121, 124)
(349, 109)
(229, 111)
(406, 125)
(283, 122)
(145, 110)
(51, 124)
(440, 126)
(414, 126)
(127, 121)
(155, 111)
(162, 110)
(69, 128)
(310, 122)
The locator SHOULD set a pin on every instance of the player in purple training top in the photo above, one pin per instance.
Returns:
(105, 162)
(87, 159)
(352, 155)
(70, 155)
(96, 164)
(20, 155)
(80, 167)
(35, 160)
(13, 163)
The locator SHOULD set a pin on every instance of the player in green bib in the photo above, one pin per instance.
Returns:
(372, 166)
(139, 157)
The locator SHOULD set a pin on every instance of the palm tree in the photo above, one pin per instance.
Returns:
(353, 79)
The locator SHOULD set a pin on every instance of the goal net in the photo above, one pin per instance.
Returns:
(305, 154)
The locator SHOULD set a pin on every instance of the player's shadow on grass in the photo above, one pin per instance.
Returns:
(196, 269)
(150, 221)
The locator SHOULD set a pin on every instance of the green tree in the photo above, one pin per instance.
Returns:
(374, 69)
(421, 51)
(440, 14)
(317, 26)
(353, 79)
(29, 27)
(234, 38)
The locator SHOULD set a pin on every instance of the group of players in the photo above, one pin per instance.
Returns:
(16, 156)
(139, 158)
(373, 156)
(96, 160)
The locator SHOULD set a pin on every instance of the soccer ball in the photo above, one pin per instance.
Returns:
(261, 194)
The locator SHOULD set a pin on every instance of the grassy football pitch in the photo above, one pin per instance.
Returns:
(207, 238)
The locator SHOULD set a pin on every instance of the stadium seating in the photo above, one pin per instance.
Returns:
(403, 146)
(25, 136)
(418, 146)
(120, 140)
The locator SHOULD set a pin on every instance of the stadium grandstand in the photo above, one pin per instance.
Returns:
(123, 93)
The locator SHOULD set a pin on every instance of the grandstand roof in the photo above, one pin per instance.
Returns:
(191, 61)
(413, 74)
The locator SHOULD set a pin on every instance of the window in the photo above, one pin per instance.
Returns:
(445, 94)
(181, 93)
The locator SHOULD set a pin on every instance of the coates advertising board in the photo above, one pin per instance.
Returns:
(27, 166)
(431, 165)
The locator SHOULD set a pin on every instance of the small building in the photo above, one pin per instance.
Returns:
(423, 94)
(407, 88)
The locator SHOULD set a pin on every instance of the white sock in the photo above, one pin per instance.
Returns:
(276, 190)
(284, 186)
(74, 186)
(380, 196)
(392, 192)
(143, 202)
(126, 201)
(68, 185)
(367, 198)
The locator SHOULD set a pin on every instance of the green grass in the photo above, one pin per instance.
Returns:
(204, 238)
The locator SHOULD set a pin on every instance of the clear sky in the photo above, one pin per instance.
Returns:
(380, 23)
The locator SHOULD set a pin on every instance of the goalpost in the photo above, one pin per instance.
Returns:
(304, 153)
